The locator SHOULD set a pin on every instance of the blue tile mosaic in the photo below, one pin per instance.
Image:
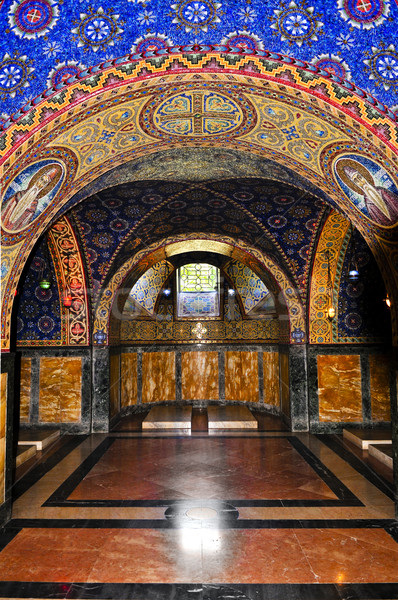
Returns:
(44, 42)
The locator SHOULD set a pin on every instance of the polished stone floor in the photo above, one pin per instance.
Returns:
(201, 514)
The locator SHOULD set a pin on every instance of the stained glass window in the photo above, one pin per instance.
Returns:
(198, 287)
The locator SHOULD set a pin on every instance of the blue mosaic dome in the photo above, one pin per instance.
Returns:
(45, 42)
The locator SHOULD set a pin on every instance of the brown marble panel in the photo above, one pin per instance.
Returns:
(158, 377)
(380, 387)
(233, 375)
(71, 390)
(199, 375)
(26, 368)
(49, 395)
(284, 387)
(339, 388)
(3, 412)
(114, 384)
(60, 394)
(249, 388)
(271, 378)
(241, 376)
(128, 378)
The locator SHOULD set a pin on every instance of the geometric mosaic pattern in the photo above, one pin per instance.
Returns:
(346, 38)
(356, 110)
(248, 285)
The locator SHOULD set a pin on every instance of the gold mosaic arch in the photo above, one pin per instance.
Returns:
(70, 280)
(237, 249)
(333, 239)
(273, 108)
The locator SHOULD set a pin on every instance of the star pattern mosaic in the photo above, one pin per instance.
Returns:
(361, 306)
(44, 42)
(277, 218)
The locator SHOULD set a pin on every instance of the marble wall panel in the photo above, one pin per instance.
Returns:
(158, 377)
(49, 395)
(249, 381)
(71, 390)
(271, 378)
(128, 379)
(379, 367)
(3, 412)
(241, 376)
(60, 393)
(339, 388)
(25, 389)
(199, 371)
(114, 391)
(233, 374)
(285, 384)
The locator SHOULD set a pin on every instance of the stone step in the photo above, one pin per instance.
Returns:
(382, 452)
(231, 417)
(363, 437)
(41, 438)
(168, 417)
(24, 453)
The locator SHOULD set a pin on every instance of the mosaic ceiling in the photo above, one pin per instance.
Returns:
(45, 42)
(277, 218)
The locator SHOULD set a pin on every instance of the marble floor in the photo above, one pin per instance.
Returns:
(201, 514)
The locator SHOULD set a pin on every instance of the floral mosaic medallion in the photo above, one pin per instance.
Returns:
(297, 23)
(97, 30)
(15, 74)
(196, 16)
(198, 113)
(243, 39)
(32, 18)
(151, 42)
(63, 72)
(364, 13)
(382, 66)
(332, 64)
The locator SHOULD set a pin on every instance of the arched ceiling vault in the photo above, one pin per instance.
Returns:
(114, 293)
(299, 118)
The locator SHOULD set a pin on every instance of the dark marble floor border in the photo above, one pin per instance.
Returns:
(36, 473)
(344, 496)
(336, 445)
(388, 525)
(197, 591)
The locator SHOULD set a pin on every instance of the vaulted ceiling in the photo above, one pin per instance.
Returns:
(43, 42)
(252, 129)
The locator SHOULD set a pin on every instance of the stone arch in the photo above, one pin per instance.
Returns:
(109, 305)
(328, 118)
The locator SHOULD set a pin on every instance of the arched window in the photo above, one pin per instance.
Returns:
(198, 291)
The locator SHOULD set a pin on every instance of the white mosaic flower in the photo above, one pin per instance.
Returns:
(196, 12)
(345, 41)
(247, 15)
(10, 75)
(145, 17)
(196, 16)
(98, 30)
(297, 24)
(52, 49)
(388, 67)
(382, 66)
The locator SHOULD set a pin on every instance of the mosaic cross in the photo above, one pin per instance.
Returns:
(198, 114)
(199, 330)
